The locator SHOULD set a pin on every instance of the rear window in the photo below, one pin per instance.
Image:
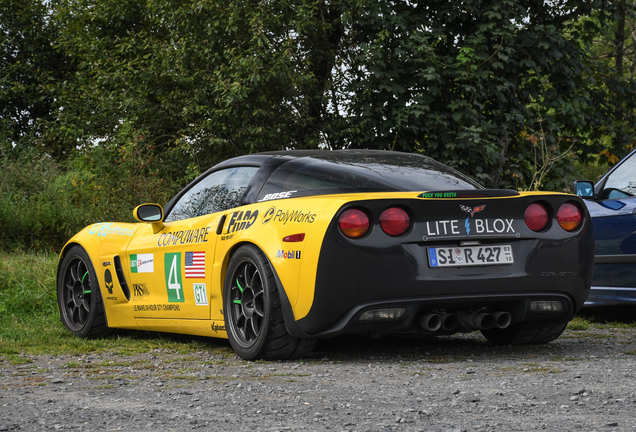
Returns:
(353, 172)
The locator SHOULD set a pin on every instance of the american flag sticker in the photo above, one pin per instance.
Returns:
(195, 265)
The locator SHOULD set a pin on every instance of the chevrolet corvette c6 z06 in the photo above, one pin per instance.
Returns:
(275, 250)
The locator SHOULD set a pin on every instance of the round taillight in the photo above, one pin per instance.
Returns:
(536, 217)
(394, 221)
(354, 223)
(569, 217)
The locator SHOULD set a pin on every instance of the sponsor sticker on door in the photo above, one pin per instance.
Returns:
(142, 263)
(200, 294)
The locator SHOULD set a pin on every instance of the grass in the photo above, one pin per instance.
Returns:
(30, 322)
(27, 284)
(578, 324)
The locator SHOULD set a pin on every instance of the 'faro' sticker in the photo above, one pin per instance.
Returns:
(241, 220)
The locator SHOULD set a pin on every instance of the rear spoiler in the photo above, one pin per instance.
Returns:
(477, 193)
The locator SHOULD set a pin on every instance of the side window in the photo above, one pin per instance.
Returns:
(622, 182)
(220, 190)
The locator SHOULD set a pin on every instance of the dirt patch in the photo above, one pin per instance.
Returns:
(584, 380)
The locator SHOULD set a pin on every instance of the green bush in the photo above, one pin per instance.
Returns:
(44, 203)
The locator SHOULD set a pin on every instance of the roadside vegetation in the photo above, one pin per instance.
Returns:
(30, 323)
(105, 105)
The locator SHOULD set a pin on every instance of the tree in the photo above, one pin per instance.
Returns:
(30, 68)
(611, 57)
(224, 77)
(466, 84)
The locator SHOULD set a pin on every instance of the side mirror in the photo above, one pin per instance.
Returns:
(583, 188)
(152, 213)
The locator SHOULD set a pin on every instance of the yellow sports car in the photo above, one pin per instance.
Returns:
(274, 250)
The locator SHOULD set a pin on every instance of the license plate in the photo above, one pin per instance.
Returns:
(460, 256)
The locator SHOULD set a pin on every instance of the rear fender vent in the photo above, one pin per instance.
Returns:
(121, 278)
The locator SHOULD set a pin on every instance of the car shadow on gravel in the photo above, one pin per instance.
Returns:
(414, 346)
(440, 349)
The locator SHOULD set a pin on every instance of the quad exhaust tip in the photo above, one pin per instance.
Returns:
(434, 322)
(431, 322)
(502, 319)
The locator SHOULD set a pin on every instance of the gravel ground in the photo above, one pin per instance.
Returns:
(585, 380)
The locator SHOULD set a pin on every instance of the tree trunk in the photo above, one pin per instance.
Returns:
(497, 168)
(619, 38)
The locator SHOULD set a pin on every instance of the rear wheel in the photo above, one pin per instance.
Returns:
(253, 315)
(78, 296)
(525, 333)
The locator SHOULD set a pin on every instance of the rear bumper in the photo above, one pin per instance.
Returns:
(517, 305)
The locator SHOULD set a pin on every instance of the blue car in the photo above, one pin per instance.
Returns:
(612, 206)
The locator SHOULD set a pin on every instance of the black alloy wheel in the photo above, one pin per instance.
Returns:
(248, 302)
(253, 314)
(78, 295)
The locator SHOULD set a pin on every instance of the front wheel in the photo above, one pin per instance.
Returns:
(253, 315)
(78, 296)
(525, 333)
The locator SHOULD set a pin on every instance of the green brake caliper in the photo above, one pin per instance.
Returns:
(241, 289)
(83, 277)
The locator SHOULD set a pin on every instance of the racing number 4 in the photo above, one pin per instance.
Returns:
(172, 266)
(173, 278)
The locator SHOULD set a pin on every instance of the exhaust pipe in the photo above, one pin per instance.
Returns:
(502, 319)
(479, 321)
(449, 322)
(431, 322)
(482, 321)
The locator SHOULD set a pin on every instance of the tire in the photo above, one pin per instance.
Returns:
(253, 314)
(525, 333)
(79, 298)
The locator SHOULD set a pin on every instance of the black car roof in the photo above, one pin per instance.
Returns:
(275, 164)
(357, 157)
(327, 155)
